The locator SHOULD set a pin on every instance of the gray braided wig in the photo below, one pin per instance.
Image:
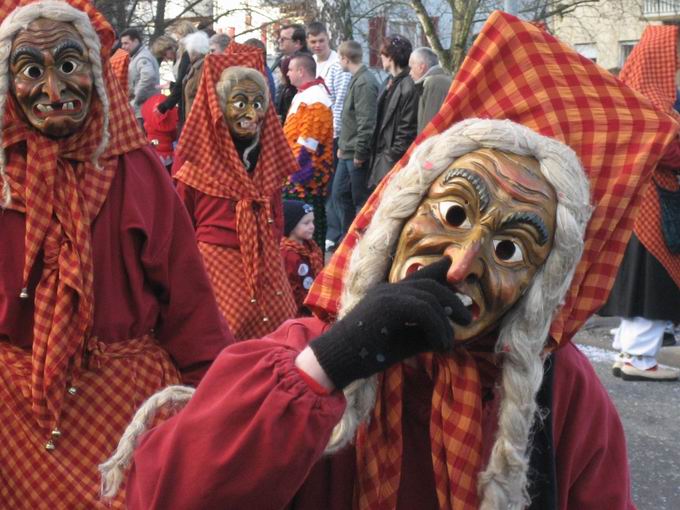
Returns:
(523, 332)
(19, 20)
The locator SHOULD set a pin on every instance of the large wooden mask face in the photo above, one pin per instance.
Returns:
(493, 214)
(245, 110)
(51, 77)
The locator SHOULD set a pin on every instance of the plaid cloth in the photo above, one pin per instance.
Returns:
(95, 415)
(212, 166)
(247, 318)
(56, 186)
(519, 72)
(120, 61)
(650, 69)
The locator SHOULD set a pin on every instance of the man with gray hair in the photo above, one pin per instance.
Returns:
(432, 83)
(219, 43)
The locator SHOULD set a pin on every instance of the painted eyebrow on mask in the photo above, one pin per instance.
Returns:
(528, 218)
(69, 44)
(475, 180)
(27, 50)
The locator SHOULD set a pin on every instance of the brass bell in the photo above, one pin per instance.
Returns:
(24, 293)
(50, 446)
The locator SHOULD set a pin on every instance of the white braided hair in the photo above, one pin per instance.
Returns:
(55, 10)
(524, 330)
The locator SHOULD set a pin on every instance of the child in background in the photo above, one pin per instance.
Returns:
(302, 258)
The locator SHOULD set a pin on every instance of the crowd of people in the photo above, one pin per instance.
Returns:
(169, 248)
(342, 157)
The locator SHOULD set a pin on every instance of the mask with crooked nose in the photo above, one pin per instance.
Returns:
(493, 214)
(51, 77)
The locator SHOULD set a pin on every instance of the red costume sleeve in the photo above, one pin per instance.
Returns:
(590, 446)
(248, 437)
(190, 326)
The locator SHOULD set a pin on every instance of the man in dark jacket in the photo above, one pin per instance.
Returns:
(432, 84)
(397, 109)
(359, 112)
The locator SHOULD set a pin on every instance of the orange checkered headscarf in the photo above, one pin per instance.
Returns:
(518, 72)
(120, 62)
(58, 186)
(650, 69)
(213, 166)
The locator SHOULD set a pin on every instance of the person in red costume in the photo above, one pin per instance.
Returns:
(647, 288)
(302, 257)
(445, 317)
(235, 159)
(103, 296)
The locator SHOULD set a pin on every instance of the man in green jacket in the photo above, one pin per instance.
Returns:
(359, 113)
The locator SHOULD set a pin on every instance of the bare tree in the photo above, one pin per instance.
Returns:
(466, 13)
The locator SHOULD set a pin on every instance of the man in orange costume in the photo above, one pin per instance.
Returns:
(103, 296)
(309, 131)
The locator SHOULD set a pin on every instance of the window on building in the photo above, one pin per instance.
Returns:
(625, 47)
(588, 50)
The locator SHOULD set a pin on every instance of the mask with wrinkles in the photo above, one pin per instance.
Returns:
(51, 77)
(493, 214)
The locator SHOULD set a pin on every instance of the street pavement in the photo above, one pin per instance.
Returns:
(650, 412)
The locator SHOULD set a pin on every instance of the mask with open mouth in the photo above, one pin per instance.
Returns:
(245, 109)
(493, 214)
(52, 77)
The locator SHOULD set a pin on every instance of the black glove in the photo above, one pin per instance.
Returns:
(393, 322)
(162, 107)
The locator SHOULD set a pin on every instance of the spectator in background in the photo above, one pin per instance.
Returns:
(291, 40)
(336, 80)
(197, 47)
(350, 189)
(164, 48)
(397, 109)
(285, 92)
(178, 31)
(432, 83)
(270, 77)
(309, 131)
(219, 43)
(143, 74)
(328, 67)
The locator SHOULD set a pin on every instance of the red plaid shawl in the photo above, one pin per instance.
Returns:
(519, 72)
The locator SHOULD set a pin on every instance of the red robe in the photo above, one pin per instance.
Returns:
(149, 283)
(215, 221)
(253, 434)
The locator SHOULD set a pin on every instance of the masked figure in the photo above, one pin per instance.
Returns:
(647, 289)
(95, 310)
(466, 270)
(236, 159)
